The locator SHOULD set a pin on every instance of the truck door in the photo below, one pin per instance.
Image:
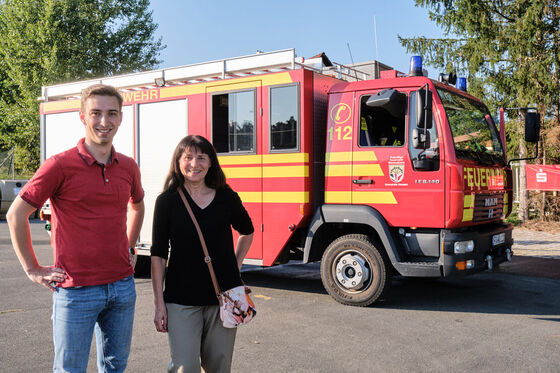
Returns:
(383, 174)
(234, 119)
(156, 151)
(285, 169)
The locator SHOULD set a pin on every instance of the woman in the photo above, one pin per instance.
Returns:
(188, 308)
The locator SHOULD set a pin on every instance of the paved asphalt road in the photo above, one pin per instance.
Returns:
(507, 321)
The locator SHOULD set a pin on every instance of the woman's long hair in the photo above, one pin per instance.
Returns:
(215, 178)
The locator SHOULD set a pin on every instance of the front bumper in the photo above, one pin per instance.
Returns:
(484, 253)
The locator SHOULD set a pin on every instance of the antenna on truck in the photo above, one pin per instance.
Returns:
(352, 59)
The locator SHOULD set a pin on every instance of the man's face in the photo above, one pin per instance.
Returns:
(102, 118)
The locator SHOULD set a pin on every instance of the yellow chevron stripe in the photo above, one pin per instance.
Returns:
(468, 214)
(274, 197)
(338, 170)
(338, 157)
(338, 197)
(229, 85)
(240, 159)
(268, 172)
(286, 171)
(469, 201)
(242, 172)
(360, 197)
(364, 156)
(61, 105)
(257, 159)
(367, 170)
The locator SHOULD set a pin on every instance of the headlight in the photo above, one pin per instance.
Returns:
(462, 247)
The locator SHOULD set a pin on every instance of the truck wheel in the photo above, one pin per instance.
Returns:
(143, 266)
(353, 270)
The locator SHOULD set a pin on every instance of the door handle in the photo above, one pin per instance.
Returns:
(362, 181)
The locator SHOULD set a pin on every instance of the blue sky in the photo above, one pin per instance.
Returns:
(205, 30)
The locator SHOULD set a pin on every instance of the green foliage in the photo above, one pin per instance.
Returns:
(45, 42)
(508, 49)
(513, 218)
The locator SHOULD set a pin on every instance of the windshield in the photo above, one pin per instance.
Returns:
(474, 133)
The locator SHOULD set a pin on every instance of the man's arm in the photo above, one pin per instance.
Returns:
(18, 222)
(134, 219)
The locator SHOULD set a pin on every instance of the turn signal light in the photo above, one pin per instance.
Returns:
(461, 266)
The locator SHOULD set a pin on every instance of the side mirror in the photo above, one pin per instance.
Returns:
(423, 106)
(420, 138)
(532, 127)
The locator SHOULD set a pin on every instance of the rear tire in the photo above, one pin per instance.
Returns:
(354, 271)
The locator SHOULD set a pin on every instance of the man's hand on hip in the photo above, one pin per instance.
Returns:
(47, 276)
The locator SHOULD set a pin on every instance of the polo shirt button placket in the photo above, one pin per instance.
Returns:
(105, 174)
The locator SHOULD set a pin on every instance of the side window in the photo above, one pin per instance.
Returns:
(233, 122)
(431, 152)
(284, 117)
(382, 126)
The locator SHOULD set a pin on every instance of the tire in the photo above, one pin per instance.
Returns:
(143, 266)
(354, 271)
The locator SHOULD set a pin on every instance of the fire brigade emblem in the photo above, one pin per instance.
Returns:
(396, 172)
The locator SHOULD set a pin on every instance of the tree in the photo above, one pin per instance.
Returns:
(509, 50)
(45, 42)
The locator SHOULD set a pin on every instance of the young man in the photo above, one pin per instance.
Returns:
(90, 187)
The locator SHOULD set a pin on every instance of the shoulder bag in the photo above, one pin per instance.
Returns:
(236, 307)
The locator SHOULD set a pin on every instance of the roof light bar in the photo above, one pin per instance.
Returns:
(415, 66)
(462, 84)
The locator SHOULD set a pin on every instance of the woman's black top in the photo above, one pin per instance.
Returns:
(188, 280)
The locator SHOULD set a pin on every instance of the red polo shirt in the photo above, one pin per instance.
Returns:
(89, 206)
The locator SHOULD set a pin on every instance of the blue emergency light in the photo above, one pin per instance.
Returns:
(415, 66)
(462, 84)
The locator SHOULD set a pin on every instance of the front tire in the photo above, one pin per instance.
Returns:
(354, 271)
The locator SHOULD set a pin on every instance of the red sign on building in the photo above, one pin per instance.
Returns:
(543, 177)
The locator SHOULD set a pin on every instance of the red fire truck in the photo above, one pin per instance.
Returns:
(374, 174)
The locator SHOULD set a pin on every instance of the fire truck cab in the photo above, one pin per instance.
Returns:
(373, 173)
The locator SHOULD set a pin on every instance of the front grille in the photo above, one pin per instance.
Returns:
(488, 206)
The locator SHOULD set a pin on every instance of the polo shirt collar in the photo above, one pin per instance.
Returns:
(88, 158)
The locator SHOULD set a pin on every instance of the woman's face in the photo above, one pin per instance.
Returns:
(194, 165)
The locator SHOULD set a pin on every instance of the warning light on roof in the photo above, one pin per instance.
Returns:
(462, 84)
(415, 66)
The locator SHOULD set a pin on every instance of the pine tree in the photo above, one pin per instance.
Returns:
(508, 49)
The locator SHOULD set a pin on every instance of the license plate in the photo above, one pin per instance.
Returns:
(498, 239)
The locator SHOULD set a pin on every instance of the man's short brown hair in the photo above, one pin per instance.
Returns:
(100, 90)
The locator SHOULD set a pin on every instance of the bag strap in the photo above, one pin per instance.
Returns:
(207, 258)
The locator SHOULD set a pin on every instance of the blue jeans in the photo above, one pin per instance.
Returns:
(109, 309)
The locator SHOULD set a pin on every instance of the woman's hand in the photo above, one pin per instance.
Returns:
(158, 274)
(243, 244)
(160, 318)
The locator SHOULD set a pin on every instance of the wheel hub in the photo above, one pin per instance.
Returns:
(351, 271)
